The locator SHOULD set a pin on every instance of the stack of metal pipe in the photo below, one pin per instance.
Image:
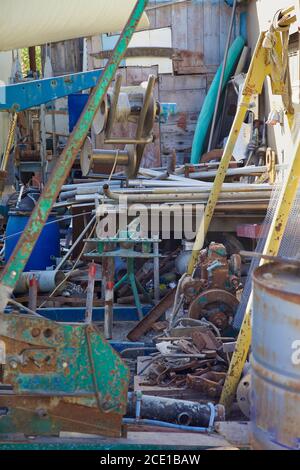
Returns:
(149, 189)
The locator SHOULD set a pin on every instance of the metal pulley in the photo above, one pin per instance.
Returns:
(217, 306)
(128, 104)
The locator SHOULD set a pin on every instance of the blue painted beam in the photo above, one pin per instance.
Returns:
(20, 96)
(76, 314)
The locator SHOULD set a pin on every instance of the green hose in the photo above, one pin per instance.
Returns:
(207, 112)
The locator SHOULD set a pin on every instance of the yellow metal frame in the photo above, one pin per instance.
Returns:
(283, 209)
(260, 68)
(277, 230)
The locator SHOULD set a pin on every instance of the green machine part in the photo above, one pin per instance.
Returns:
(59, 377)
(56, 377)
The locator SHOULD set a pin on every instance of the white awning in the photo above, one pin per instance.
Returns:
(27, 23)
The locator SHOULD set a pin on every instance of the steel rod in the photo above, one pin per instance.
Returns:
(75, 244)
(10, 141)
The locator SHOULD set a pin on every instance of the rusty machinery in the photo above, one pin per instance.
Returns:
(122, 104)
(211, 294)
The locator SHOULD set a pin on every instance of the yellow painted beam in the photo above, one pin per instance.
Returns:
(262, 65)
(257, 73)
(272, 247)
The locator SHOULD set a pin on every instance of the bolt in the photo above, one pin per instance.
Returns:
(41, 413)
(13, 364)
(106, 406)
(35, 332)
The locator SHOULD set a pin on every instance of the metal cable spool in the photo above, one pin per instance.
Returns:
(128, 104)
(126, 157)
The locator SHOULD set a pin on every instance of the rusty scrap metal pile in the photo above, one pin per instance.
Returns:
(197, 362)
(195, 338)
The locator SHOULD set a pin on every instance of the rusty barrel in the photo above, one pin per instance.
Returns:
(275, 384)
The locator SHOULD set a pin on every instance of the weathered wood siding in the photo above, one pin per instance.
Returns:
(200, 29)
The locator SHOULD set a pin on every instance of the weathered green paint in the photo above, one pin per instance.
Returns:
(62, 370)
(40, 215)
(95, 446)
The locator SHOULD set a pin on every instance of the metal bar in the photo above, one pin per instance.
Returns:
(89, 225)
(33, 293)
(40, 215)
(273, 259)
(156, 272)
(124, 141)
(90, 293)
(32, 59)
(10, 142)
(145, 108)
(109, 272)
(21, 96)
(114, 106)
(156, 313)
(272, 246)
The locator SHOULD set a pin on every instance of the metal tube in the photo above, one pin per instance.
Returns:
(227, 188)
(145, 108)
(114, 105)
(74, 245)
(252, 170)
(172, 410)
(125, 141)
(47, 281)
(175, 196)
(108, 157)
(157, 185)
(33, 292)
(108, 272)
(90, 293)
(220, 207)
(71, 187)
(10, 141)
(156, 273)
(222, 75)
(40, 215)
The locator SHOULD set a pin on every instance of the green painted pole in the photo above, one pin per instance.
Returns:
(23, 250)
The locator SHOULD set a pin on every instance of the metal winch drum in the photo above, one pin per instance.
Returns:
(275, 383)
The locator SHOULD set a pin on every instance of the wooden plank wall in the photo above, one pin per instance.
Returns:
(201, 27)
(199, 31)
